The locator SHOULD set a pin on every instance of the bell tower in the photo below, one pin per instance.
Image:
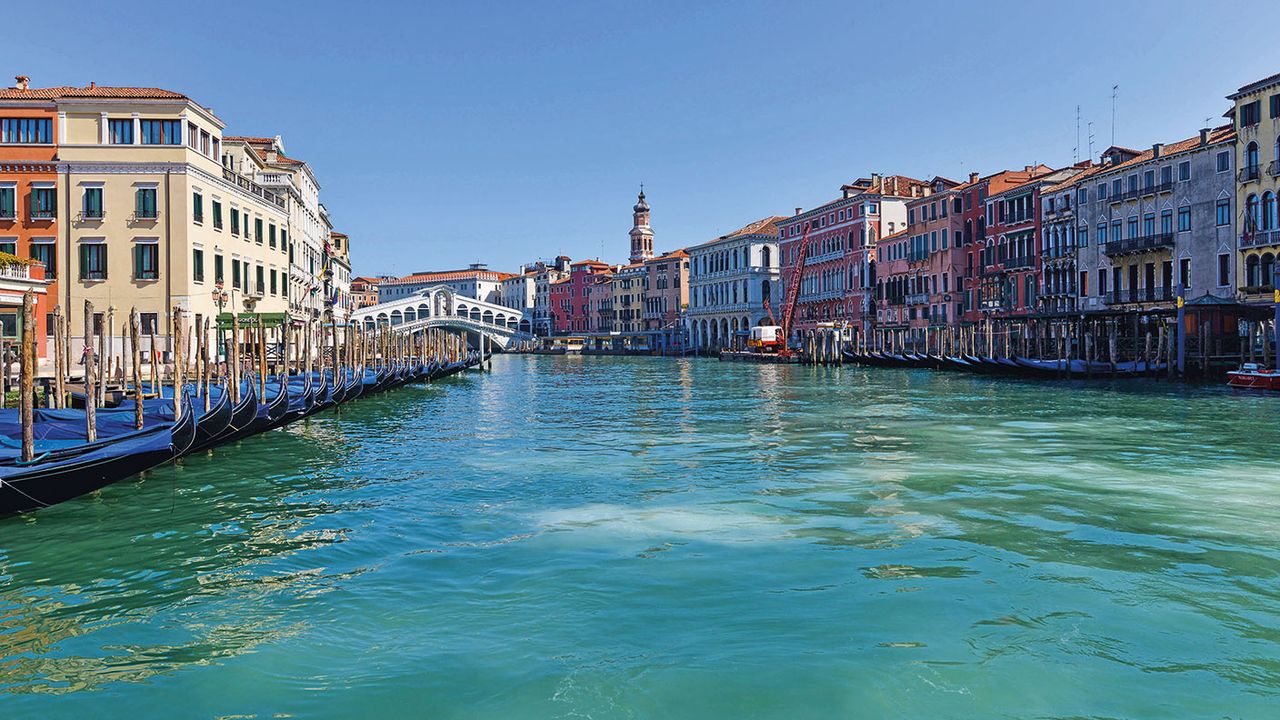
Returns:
(641, 233)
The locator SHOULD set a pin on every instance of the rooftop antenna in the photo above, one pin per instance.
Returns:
(1075, 152)
(1089, 130)
(1115, 91)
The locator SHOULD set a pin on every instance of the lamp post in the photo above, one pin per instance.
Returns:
(220, 298)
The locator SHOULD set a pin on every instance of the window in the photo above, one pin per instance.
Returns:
(1149, 179)
(93, 261)
(1275, 105)
(1115, 230)
(1224, 211)
(1117, 188)
(284, 242)
(145, 204)
(261, 285)
(93, 203)
(1166, 174)
(1102, 281)
(1224, 270)
(1184, 170)
(26, 131)
(1082, 236)
(235, 273)
(257, 230)
(1250, 113)
(150, 323)
(1082, 196)
(216, 209)
(8, 202)
(197, 265)
(44, 203)
(1148, 224)
(1102, 191)
(1224, 161)
(44, 253)
(1133, 227)
(271, 238)
(1166, 221)
(8, 245)
(273, 282)
(1184, 272)
(235, 221)
(120, 132)
(1184, 218)
(146, 261)
(161, 132)
(217, 269)
(197, 207)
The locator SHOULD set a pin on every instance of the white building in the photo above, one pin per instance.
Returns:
(731, 279)
(477, 281)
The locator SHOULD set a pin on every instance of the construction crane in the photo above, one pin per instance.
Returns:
(773, 338)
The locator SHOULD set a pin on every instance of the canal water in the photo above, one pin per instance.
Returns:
(570, 537)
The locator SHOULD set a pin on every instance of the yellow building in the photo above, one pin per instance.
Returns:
(1257, 119)
(156, 217)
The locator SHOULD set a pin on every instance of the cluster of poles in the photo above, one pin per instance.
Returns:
(226, 381)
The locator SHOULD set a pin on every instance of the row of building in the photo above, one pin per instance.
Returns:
(1129, 232)
(135, 197)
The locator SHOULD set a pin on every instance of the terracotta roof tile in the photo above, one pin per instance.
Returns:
(95, 91)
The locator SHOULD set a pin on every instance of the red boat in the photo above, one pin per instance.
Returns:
(1254, 376)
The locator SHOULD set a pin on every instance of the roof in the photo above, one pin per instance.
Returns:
(766, 226)
(92, 91)
(1220, 134)
(448, 276)
(681, 253)
(1255, 86)
(894, 236)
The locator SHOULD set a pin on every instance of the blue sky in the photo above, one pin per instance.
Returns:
(449, 133)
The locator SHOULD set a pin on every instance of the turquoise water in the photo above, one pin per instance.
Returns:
(642, 538)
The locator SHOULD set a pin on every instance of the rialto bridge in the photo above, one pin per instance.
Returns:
(441, 307)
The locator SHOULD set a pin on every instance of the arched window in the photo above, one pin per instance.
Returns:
(766, 257)
(1251, 156)
(1251, 213)
(1268, 211)
(1251, 271)
(1268, 269)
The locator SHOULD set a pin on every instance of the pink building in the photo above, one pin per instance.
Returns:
(935, 258)
(571, 299)
(839, 281)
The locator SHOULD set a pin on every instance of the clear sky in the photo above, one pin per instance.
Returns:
(450, 133)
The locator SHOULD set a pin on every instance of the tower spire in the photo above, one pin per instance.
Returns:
(641, 233)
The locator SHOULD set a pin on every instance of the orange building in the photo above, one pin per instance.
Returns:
(29, 206)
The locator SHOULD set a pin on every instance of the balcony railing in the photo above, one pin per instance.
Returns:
(1159, 188)
(1053, 252)
(1249, 173)
(1260, 239)
(1257, 289)
(918, 299)
(1139, 295)
(38, 214)
(1058, 291)
(1017, 263)
(1139, 244)
(246, 184)
(15, 272)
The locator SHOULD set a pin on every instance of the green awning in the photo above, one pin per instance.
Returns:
(248, 319)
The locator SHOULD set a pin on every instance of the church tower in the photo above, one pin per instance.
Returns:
(641, 233)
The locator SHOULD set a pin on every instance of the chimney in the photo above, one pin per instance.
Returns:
(1156, 149)
(1027, 168)
(973, 177)
(1204, 136)
(92, 84)
(798, 210)
(875, 178)
(24, 82)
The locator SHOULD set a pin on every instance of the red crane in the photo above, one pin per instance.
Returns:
(793, 289)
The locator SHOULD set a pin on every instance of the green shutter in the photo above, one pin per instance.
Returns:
(137, 261)
(84, 261)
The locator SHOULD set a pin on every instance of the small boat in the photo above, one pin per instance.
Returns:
(1254, 377)
(61, 474)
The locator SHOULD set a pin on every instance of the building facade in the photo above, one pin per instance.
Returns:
(628, 287)
(934, 256)
(1148, 222)
(666, 298)
(734, 285)
(1256, 116)
(477, 282)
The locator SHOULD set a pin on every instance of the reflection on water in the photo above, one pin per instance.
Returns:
(617, 538)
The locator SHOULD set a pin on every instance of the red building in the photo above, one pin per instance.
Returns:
(935, 257)
(974, 234)
(894, 282)
(571, 305)
(1009, 261)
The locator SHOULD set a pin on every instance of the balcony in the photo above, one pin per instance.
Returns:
(1273, 168)
(1249, 173)
(16, 271)
(1064, 290)
(1258, 289)
(1160, 189)
(1054, 252)
(254, 188)
(1116, 198)
(1139, 295)
(918, 299)
(1260, 239)
(1019, 263)
(1146, 243)
(43, 214)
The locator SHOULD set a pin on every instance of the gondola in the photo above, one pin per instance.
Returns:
(57, 477)
(266, 414)
(242, 414)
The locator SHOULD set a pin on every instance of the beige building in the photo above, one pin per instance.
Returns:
(155, 220)
(628, 298)
(1257, 119)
